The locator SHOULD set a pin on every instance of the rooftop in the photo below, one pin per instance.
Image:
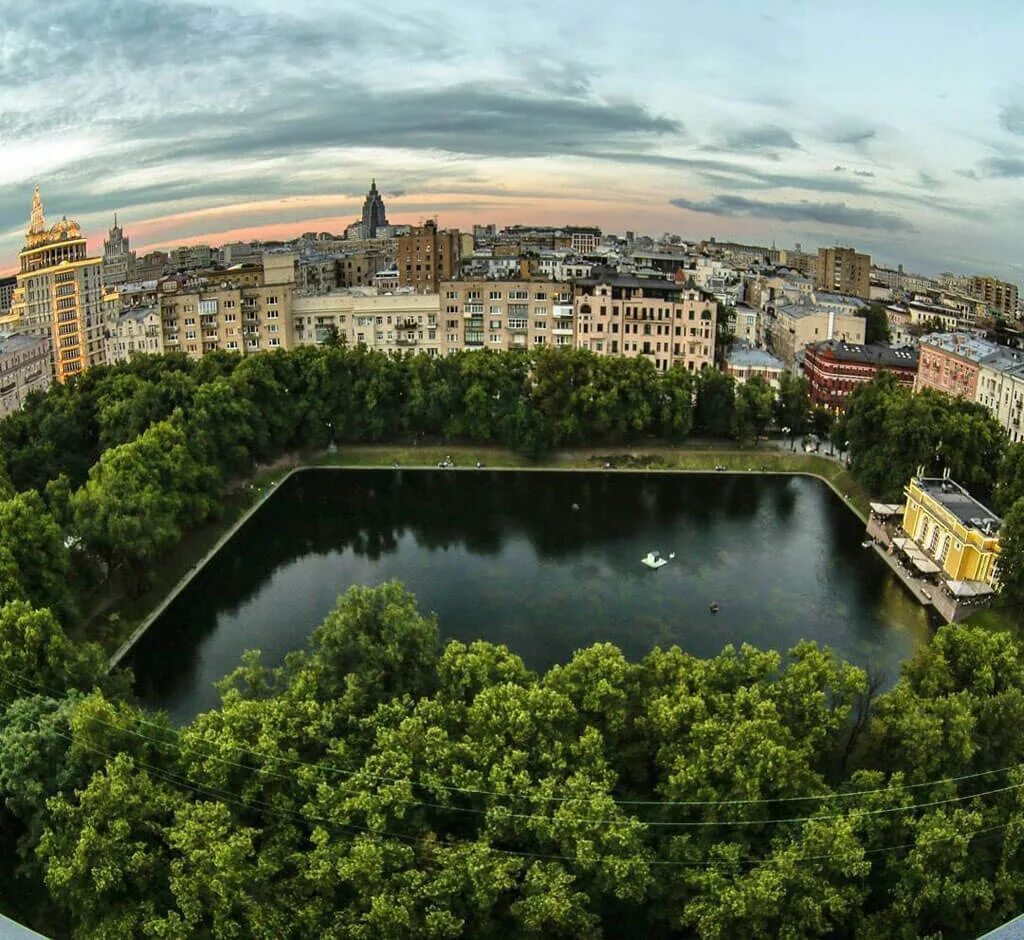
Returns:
(798, 311)
(629, 281)
(742, 354)
(20, 342)
(953, 497)
(878, 354)
(964, 345)
(140, 313)
(830, 297)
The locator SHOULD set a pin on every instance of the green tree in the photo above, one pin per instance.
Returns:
(1009, 478)
(1011, 554)
(676, 392)
(105, 851)
(37, 656)
(793, 403)
(876, 326)
(141, 496)
(755, 399)
(41, 560)
(716, 404)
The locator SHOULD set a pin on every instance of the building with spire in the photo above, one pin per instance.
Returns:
(59, 293)
(118, 259)
(374, 214)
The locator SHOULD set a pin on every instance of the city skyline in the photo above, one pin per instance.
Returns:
(794, 124)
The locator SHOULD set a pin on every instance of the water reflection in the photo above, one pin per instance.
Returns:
(506, 557)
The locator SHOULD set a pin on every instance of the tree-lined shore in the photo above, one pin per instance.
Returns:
(382, 784)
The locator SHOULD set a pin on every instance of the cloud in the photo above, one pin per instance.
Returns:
(851, 135)
(1003, 167)
(830, 213)
(765, 137)
(1012, 119)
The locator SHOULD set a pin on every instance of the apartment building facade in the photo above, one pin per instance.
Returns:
(791, 327)
(997, 295)
(668, 323)
(137, 331)
(392, 323)
(951, 363)
(200, 316)
(844, 271)
(59, 294)
(514, 314)
(834, 369)
(24, 368)
(426, 256)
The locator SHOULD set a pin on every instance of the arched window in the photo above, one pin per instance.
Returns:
(585, 308)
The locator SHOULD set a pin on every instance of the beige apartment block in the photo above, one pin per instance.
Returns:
(427, 256)
(135, 332)
(666, 322)
(520, 314)
(997, 295)
(392, 323)
(1000, 388)
(24, 368)
(200, 316)
(796, 325)
(59, 294)
(844, 271)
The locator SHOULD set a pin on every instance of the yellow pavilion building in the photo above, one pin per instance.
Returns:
(954, 529)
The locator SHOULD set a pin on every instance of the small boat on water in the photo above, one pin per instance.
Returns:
(714, 608)
(654, 560)
(867, 543)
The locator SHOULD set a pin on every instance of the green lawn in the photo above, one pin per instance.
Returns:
(701, 457)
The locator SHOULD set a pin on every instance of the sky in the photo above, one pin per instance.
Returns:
(896, 128)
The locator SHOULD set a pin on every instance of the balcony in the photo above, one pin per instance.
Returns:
(406, 340)
(562, 330)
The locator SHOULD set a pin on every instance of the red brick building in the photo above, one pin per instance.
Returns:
(834, 369)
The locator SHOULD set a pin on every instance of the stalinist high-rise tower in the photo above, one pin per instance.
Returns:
(118, 258)
(374, 215)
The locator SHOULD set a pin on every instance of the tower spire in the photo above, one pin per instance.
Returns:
(36, 225)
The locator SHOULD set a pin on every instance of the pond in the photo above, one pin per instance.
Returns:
(546, 562)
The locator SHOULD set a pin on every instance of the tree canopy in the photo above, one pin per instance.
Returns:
(382, 784)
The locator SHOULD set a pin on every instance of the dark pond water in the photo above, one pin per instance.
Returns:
(504, 557)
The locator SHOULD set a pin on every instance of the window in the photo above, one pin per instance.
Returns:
(517, 323)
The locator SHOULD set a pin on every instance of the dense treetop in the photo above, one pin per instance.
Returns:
(381, 784)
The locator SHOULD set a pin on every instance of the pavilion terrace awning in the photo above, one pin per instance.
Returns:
(969, 588)
(906, 545)
(924, 565)
(887, 510)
